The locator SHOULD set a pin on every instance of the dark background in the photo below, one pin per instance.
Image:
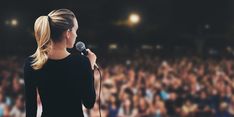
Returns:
(185, 46)
(199, 26)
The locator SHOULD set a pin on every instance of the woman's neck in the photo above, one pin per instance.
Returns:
(58, 51)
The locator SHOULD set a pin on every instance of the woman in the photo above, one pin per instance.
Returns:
(64, 81)
(126, 109)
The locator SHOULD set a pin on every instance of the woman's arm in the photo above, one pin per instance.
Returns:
(89, 94)
(30, 91)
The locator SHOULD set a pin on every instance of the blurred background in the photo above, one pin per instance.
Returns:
(159, 58)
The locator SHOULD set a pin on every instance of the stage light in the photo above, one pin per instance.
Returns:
(131, 21)
(146, 47)
(207, 26)
(14, 22)
(158, 47)
(134, 18)
(229, 49)
(113, 46)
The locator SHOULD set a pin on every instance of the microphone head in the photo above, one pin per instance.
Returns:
(80, 46)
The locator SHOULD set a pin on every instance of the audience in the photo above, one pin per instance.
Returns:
(142, 86)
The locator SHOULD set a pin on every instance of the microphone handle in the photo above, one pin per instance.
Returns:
(86, 53)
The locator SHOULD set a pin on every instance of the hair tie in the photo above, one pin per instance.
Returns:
(49, 19)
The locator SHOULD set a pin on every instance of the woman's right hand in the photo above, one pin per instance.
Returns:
(92, 58)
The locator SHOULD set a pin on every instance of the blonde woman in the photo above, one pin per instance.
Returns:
(64, 81)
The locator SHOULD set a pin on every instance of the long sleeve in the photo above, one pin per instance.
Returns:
(89, 96)
(30, 90)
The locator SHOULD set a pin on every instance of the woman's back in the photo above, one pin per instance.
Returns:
(63, 86)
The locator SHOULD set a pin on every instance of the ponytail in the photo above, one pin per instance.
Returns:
(48, 30)
(43, 37)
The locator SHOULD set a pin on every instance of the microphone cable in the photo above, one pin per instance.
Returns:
(99, 101)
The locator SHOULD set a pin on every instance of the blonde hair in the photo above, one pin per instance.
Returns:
(48, 30)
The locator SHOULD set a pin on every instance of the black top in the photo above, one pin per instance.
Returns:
(64, 85)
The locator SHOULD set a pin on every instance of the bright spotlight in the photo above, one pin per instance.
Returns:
(14, 22)
(134, 18)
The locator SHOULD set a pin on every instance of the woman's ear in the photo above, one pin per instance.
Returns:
(68, 34)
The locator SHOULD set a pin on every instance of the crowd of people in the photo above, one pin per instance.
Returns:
(142, 86)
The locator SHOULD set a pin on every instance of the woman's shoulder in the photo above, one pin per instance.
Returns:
(79, 57)
(27, 62)
(81, 61)
(28, 59)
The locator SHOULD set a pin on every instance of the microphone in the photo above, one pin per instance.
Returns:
(80, 46)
